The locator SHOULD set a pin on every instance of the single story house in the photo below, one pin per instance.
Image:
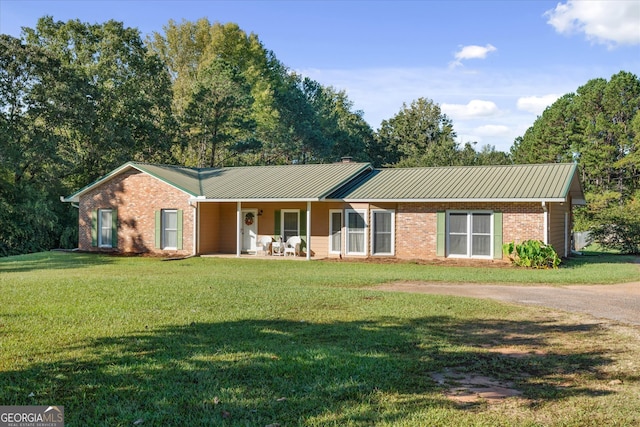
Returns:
(344, 209)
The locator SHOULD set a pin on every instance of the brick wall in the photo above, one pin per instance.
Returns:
(136, 196)
(416, 224)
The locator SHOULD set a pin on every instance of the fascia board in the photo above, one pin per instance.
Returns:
(256, 200)
(535, 200)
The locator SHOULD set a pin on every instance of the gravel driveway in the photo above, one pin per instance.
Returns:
(615, 302)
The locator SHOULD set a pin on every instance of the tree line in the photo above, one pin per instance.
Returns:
(78, 99)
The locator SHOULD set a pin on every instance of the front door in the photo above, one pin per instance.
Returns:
(249, 230)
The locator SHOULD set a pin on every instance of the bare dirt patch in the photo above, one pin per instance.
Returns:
(465, 388)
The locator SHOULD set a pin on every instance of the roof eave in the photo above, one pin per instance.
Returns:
(455, 200)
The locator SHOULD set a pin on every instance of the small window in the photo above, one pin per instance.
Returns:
(335, 225)
(382, 232)
(356, 232)
(169, 229)
(105, 227)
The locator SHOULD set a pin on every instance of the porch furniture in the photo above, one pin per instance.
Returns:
(277, 248)
(266, 242)
(293, 246)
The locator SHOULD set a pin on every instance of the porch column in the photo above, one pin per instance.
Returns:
(238, 228)
(308, 231)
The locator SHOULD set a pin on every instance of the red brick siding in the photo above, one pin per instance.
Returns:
(136, 196)
(416, 224)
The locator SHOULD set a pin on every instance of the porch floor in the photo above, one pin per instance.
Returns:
(255, 256)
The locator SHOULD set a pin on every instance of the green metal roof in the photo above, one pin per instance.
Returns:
(542, 182)
(359, 182)
(290, 182)
(286, 182)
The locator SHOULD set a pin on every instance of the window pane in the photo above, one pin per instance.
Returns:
(170, 229)
(382, 221)
(382, 232)
(356, 220)
(105, 227)
(355, 232)
(481, 223)
(458, 223)
(356, 242)
(336, 231)
(458, 244)
(290, 225)
(481, 245)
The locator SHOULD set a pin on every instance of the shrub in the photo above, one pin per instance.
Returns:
(532, 253)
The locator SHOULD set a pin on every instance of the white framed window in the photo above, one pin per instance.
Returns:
(335, 231)
(470, 234)
(382, 231)
(356, 231)
(290, 225)
(105, 228)
(170, 229)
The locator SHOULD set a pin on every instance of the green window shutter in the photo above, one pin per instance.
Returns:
(114, 228)
(179, 228)
(276, 227)
(94, 228)
(158, 243)
(303, 228)
(441, 225)
(497, 235)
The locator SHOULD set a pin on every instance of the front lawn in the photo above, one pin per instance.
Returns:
(206, 341)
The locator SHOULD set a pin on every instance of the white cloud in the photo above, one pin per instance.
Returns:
(536, 104)
(472, 52)
(605, 22)
(474, 108)
(492, 130)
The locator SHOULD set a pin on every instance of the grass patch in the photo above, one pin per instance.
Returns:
(253, 342)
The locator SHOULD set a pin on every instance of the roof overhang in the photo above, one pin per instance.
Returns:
(467, 200)
(75, 197)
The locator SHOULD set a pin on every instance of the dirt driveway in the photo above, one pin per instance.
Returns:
(614, 302)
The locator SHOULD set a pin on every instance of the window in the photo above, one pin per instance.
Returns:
(105, 227)
(470, 234)
(290, 223)
(335, 225)
(169, 229)
(382, 232)
(356, 232)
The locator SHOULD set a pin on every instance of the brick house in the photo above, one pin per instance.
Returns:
(343, 209)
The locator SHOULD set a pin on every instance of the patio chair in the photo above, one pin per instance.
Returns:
(266, 242)
(293, 246)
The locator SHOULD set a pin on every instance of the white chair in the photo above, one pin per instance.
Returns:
(266, 241)
(293, 246)
(277, 247)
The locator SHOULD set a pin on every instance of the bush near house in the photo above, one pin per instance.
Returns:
(532, 253)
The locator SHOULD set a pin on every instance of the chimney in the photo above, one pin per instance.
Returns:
(346, 159)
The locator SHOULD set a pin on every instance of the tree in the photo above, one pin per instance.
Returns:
(217, 114)
(419, 135)
(119, 96)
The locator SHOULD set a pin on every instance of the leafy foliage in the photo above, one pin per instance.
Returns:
(532, 253)
(616, 225)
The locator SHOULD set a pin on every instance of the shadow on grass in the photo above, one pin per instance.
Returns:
(54, 260)
(261, 372)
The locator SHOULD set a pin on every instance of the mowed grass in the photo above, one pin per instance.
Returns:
(246, 342)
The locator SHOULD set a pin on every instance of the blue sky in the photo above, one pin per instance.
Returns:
(492, 66)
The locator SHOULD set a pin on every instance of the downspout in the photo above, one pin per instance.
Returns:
(546, 222)
(308, 231)
(196, 218)
(238, 228)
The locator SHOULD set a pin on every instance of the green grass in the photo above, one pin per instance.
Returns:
(208, 341)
